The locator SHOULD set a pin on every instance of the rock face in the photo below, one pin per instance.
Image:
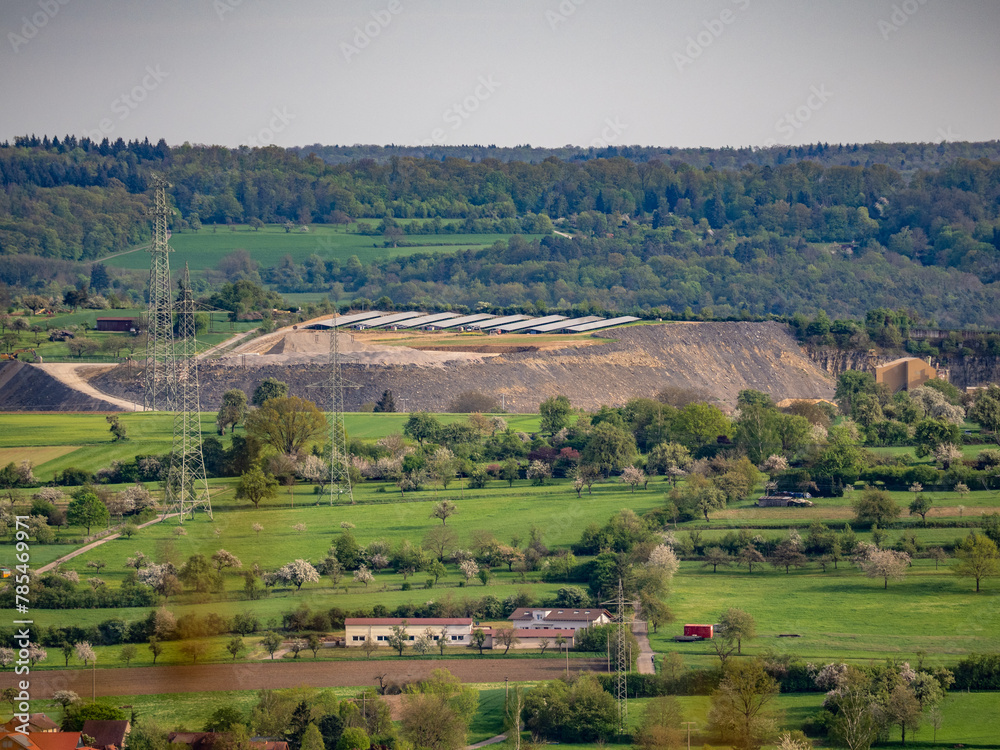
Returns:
(637, 361)
(24, 387)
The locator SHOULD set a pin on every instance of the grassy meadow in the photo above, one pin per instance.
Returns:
(204, 249)
(834, 615)
(218, 329)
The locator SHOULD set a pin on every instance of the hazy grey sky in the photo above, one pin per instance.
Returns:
(505, 72)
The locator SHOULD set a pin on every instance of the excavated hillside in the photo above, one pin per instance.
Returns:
(25, 387)
(636, 361)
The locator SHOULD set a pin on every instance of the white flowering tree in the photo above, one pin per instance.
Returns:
(226, 559)
(363, 575)
(469, 569)
(664, 559)
(297, 573)
(633, 477)
(85, 652)
(882, 563)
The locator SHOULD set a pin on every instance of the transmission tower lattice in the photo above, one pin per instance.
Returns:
(340, 478)
(187, 485)
(159, 366)
(623, 663)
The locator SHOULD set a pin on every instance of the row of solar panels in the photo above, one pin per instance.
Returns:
(478, 322)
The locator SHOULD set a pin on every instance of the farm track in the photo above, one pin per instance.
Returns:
(260, 675)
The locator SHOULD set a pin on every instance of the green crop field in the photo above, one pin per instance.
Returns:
(152, 433)
(204, 249)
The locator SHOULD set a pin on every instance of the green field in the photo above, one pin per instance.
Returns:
(204, 249)
(217, 330)
(152, 433)
(837, 615)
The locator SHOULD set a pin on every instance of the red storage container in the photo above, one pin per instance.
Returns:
(705, 631)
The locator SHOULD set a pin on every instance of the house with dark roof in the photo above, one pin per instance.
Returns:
(108, 734)
(567, 618)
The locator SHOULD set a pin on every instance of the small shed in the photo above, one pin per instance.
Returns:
(702, 631)
(117, 324)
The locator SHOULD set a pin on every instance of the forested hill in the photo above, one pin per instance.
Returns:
(787, 238)
(905, 157)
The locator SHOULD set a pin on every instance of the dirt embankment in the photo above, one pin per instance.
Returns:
(637, 361)
(53, 387)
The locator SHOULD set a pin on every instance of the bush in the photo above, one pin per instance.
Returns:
(978, 672)
(73, 477)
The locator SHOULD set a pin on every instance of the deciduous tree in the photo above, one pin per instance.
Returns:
(555, 412)
(256, 486)
(738, 624)
(741, 705)
(873, 506)
(286, 423)
(977, 558)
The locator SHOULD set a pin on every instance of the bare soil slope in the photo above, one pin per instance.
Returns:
(722, 358)
(26, 387)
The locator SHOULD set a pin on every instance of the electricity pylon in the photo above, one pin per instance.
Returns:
(624, 663)
(159, 366)
(340, 477)
(187, 485)
(623, 660)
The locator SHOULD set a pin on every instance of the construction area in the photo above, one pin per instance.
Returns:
(607, 367)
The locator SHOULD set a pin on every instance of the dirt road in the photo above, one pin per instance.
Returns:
(645, 663)
(223, 346)
(76, 376)
(257, 675)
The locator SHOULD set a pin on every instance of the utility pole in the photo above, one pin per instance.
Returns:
(689, 723)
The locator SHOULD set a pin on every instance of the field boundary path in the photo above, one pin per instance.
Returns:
(221, 346)
(202, 678)
(71, 375)
(490, 741)
(87, 547)
(640, 629)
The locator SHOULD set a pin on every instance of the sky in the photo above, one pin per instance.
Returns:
(504, 72)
